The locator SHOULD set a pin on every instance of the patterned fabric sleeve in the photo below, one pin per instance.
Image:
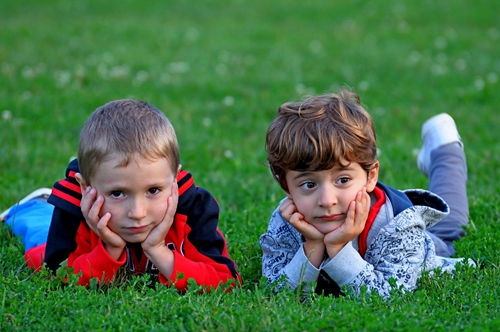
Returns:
(283, 255)
(398, 252)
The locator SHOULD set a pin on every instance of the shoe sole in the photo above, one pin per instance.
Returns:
(34, 194)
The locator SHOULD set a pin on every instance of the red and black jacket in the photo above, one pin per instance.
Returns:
(199, 247)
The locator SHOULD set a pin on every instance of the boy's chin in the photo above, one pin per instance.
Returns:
(136, 238)
(328, 228)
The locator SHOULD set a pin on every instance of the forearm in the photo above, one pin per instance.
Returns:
(163, 258)
(96, 263)
(349, 268)
(315, 252)
(204, 272)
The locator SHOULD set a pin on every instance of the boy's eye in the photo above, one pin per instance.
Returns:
(343, 180)
(153, 191)
(308, 185)
(116, 193)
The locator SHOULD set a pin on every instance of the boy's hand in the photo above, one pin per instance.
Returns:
(290, 213)
(91, 207)
(353, 226)
(314, 248)
(156, 238)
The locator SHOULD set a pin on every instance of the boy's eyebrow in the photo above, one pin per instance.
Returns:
(302, 175)
(337, 168)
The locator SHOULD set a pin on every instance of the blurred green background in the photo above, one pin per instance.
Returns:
(220, 69)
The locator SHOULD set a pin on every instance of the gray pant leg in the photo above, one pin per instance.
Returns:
(448, 178)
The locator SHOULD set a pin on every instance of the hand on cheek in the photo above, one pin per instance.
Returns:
(156, 238)
(290, 213)
(314, 247)
(353, 225)
(91, 206)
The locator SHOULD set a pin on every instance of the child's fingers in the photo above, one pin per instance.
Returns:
(88, 198)
(172, 201)
(93, 213)
(362, 207)
(296, 217)
(102, 224)
(351, 215)
(287, 209)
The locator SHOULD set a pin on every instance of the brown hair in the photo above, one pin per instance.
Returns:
(319, 133)
(126, 129)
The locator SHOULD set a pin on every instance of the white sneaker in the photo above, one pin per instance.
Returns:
(41, 194)
(437, 131)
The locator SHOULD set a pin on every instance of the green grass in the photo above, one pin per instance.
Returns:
(219, 70)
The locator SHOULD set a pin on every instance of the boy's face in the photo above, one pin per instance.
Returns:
(323, 197)
(136, 195)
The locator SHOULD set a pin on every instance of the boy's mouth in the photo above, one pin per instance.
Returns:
(332, 217)
(137, 229)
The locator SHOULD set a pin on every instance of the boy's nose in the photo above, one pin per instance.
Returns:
(137, 209)
(327, 197)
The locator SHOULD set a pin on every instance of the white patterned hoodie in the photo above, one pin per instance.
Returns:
(398, 247)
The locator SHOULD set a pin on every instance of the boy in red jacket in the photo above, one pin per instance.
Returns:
(126, 204)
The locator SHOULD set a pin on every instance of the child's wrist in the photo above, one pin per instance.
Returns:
(156, 251)
(113, 251)
(333, 250)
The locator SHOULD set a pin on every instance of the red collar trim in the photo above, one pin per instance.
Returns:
(380, 195)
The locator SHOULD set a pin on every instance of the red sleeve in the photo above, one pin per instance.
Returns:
(92, 259)
(200, 251)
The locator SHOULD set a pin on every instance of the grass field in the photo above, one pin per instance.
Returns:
(219, 70)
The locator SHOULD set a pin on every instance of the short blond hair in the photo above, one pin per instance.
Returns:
(319, 133)
(127, 129)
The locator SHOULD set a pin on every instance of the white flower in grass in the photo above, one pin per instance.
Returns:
(460, 64)
(439, 69)
(192, 34)
(7, 68)
(28, 72)
(315, 47)
(80, 71)
(363, 85)
(165, 78)
(492, 78)
(6, 115)
(27, 95)
(403, 26)
(108, 57)
(301, 89)
(119, 71)
(228, 101)
(179, 67)
(479, 84)
(249, 60)
(207, 122)
(140, 77)
(440, 42)
(228, 154)
(62, 77)
(224, 56)
(493, 33)
(441, 57)
(221, 69)
(102, 70)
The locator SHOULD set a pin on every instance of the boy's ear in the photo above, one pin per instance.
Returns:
(81, 181)
(372, 177)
